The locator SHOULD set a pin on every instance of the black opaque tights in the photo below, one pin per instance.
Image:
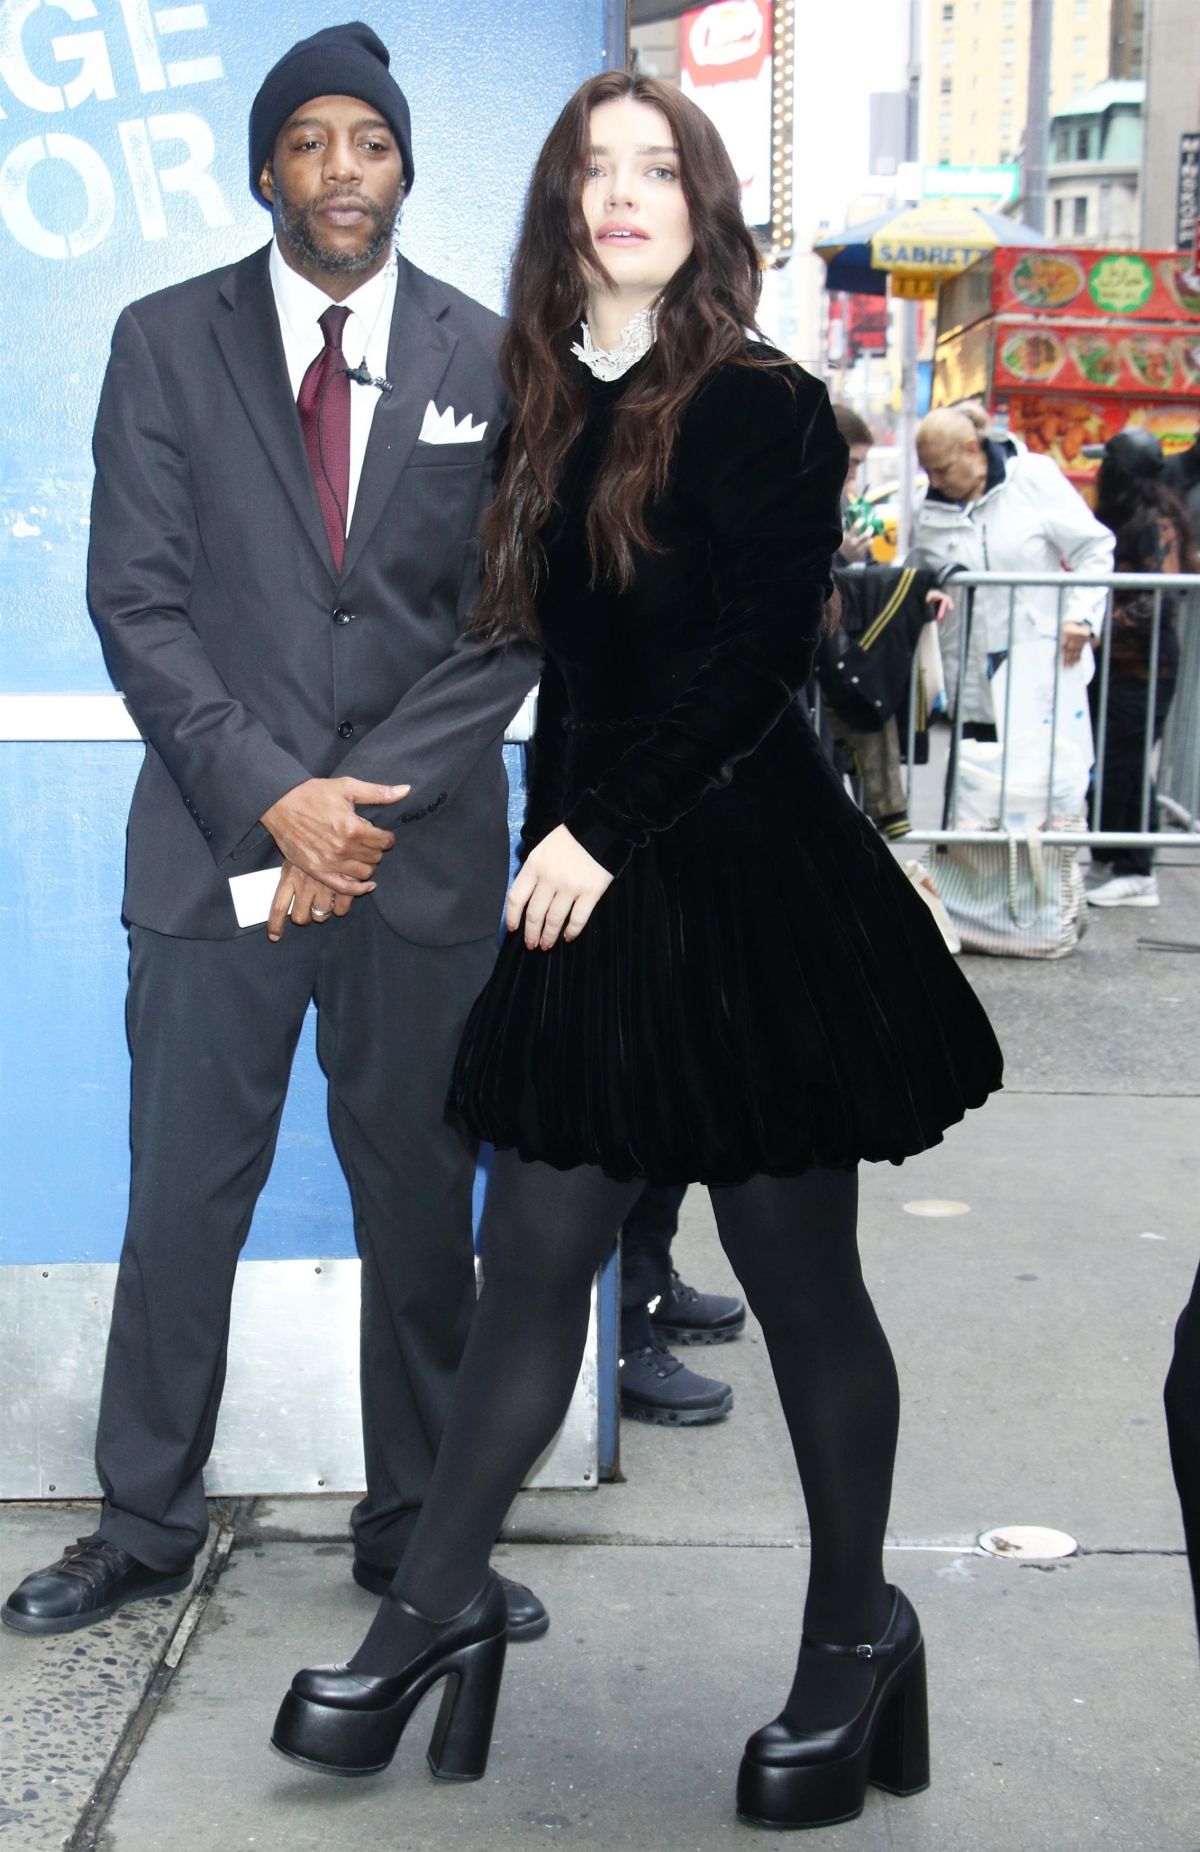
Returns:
(792, 1243)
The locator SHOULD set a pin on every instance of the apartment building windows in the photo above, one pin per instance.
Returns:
(948, 13)
(1083, 141)
(1079, 216)
(947, 86)
(1058, 218)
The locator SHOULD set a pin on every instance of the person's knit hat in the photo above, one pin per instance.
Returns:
(345, 60)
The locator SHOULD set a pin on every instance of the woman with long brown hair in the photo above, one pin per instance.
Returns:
(714, 973)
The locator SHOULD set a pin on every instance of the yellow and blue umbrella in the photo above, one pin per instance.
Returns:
(917, 246)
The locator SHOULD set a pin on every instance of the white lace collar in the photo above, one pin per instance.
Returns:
(609, 363)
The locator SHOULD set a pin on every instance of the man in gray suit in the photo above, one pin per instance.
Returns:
(292, 459)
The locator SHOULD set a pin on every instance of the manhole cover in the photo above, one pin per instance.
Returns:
(936, 1205)
(1027, 1542)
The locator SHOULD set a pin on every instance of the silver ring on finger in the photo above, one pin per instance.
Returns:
(320, 913)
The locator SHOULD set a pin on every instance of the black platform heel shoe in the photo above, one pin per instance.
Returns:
(820, 1778)
(349, 1723)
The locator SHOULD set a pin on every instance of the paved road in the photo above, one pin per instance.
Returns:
(1032, 1332)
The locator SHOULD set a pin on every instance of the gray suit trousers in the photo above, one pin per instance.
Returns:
(213, 1025)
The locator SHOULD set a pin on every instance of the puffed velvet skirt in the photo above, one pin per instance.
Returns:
(759, 991)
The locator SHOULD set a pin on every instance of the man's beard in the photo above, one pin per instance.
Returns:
(299, 227)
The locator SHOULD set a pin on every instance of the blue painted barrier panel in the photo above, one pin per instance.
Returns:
(123, 168)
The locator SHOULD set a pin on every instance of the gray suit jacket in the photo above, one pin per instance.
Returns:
(247, 661)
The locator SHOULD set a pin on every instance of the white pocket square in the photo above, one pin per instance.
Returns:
(440, 427)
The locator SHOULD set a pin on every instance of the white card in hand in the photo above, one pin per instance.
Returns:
(253, 894)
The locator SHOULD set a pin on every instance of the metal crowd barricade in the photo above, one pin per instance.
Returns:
(1179, 767)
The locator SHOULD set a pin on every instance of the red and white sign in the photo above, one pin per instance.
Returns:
(725, 55)
(726, 42)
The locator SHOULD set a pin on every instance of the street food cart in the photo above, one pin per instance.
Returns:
(1066, 346)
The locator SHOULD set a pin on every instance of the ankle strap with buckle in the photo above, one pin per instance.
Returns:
(865, 1651)
(879, 1650)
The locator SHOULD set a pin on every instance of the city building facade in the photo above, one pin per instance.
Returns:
(1092, 182)
(976, 70)
(1172, 122)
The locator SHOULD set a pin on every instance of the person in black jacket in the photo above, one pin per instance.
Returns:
(865, 659)
(865, 666)
(714, 968)
(1152, 535)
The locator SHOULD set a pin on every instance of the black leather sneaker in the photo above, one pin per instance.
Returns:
(685, 1316)
(657, 1387)
(527, 1617)
(87, 1584)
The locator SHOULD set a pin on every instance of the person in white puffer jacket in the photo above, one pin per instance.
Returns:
(994, 506)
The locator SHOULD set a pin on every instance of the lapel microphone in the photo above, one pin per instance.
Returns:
(361, 377)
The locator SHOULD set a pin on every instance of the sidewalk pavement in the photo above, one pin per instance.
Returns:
(1032, 1334)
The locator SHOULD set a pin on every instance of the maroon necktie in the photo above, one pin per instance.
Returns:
(324, 408)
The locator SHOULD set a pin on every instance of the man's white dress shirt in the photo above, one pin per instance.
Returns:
(300, 306)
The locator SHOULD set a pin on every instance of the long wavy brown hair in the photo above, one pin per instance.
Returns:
(704, 313)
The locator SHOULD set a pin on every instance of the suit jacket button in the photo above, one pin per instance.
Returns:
(342, 616)
(346, 730)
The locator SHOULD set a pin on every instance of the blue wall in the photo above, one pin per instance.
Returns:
(123, 168)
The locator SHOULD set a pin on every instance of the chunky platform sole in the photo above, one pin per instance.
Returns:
(71, 1623)
(894, 1757)
(343, 1741)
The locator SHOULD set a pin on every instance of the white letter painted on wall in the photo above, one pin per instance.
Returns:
(93, 78)
(190, 175)
(144, 26)
(18, 214)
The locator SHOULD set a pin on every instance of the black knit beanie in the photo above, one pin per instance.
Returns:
(339, 61)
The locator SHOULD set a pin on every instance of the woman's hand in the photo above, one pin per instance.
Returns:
(939, 603)
(556, 890)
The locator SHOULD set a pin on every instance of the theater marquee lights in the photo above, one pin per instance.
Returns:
(737, 61)
(782, 129)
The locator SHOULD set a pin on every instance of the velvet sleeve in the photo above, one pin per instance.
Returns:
(544, 801)
(760, 468)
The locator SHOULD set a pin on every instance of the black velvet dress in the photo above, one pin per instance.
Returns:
(760, 989)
